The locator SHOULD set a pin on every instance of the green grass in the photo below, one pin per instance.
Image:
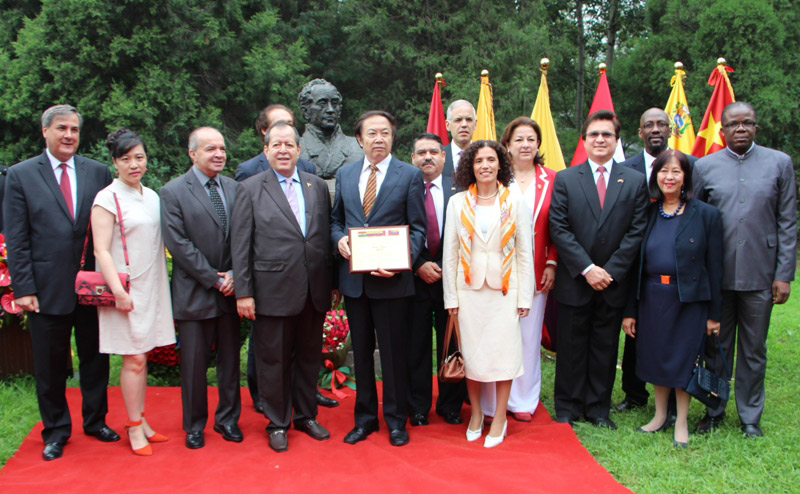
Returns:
(720, 462)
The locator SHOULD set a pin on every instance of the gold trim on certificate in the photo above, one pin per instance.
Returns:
(385, 247)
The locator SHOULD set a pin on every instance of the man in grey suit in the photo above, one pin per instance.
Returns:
(427, 305)
(379, 191)
(654, 131)
(46, 207)
(754, 189)
(195, 218)
(461, 123)
(597, 220)
(281, 257)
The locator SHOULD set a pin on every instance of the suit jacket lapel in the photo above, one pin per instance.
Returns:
(81, 176)
(275, 190)
(613, 187)
(685, 218)
(305, 184)
(586, 179)
(389, 181)
(50, 179)
(545, 182)
(448, 190)
(199, 193)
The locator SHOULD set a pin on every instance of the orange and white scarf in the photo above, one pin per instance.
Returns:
(507, 228)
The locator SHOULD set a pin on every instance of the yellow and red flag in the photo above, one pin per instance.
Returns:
(436, 121)
(485, 129)
(682, 131)
(601, 101)
(709, 137)
(551, 150)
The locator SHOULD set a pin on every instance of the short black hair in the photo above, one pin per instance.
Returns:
(375, 113)
(601, 115)
(426, 135)
(122, 140)
(686, 167)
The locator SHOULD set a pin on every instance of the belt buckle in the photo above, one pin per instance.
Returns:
(665, 279)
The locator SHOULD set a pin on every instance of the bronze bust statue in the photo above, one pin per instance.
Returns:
(323, 142)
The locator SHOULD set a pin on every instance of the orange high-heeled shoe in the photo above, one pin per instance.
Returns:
(145, 451)
(156, 437)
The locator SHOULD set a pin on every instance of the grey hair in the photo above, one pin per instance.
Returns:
(305, 94)
(459, 102)
(60, 111)
(194, 140)
(279, 125)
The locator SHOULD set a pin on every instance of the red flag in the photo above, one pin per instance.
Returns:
(436, 115)
(602, 101)
(709, 137)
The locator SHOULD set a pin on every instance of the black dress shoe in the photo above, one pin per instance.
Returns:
(104, 434)
(314, 429)
(195, 440)
(603, 422)
(664, 426)
(628, 404)
(52, 451)
(326, 402)
(278, 441)
(453, 418)
(565, 420)
(751, 431)
(359, 434)
(709, 423)
(230, 432)
(398, 437)
(419, 419)
(677, 444)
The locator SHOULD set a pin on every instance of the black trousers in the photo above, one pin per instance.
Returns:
(388, 319)
(197, 338)
(427, 310)
(252, 376)
(634, 388)
(50, 335)
(588, 337)
(287, 357)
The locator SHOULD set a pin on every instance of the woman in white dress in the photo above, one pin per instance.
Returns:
(141, 319)
(534, 184)
(487, 277)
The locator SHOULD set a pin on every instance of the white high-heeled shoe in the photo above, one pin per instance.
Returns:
(475, 435)
(491, 442)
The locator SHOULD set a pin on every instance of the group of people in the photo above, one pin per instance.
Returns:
(666, 249)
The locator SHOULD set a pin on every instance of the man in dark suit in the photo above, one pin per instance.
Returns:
(281, 258)
(654, 131)
(195, 217)
(379, 191)
(267, 117)
(3, 173)
(257, 164)
(597, 219)
(754, 189)
(46, 208)
(427, 305)
(461, 123)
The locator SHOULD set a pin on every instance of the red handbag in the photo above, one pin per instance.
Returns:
(90, 286)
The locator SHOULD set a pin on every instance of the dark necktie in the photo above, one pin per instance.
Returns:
(66, 189)
(601, 185)
(216, 201)
(434, 239)
(372, 190)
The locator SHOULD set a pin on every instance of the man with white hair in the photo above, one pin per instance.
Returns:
(461, 123)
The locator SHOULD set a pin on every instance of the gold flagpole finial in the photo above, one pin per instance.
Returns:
(484, 73)
(721, 61)
(602, 67)
(679, 65)
(544, 64)
(439, 77)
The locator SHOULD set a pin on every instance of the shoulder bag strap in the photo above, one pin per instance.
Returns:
(452, 326)
(122, 234)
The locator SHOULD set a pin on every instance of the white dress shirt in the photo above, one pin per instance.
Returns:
(455, 151)
(383, 167)
(73, 177)
(648, 164)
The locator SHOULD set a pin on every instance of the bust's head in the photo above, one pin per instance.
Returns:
(321, 104)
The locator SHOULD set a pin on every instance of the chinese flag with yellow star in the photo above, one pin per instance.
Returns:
(709, 137)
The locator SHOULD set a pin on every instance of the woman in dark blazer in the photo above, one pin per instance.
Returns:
(678, 297)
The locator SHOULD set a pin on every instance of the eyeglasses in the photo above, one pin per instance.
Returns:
(660, 125)
(595, 135)
(747, 124)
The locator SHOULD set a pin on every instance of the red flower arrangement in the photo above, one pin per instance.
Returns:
(335, 346)
(335, 331)
(9, 307)
(167, 356)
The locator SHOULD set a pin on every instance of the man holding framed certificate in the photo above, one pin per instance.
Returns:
(379, 191)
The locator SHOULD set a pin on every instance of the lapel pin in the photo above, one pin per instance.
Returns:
(620, 181)
(308, 184)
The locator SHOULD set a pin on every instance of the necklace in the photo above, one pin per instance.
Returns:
(490, 196)
(527, 175)
(665, 215)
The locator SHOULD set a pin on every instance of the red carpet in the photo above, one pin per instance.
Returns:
(540, 456)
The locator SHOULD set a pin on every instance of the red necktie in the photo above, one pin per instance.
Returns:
(434, 239)
(66, 189)
(601, 185)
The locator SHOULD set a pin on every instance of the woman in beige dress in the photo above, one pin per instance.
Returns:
(141, 319)
(488, 278)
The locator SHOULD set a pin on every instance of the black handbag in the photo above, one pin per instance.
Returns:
(706, 386)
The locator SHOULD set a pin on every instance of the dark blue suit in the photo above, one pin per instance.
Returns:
(375, 304)
(259, 163)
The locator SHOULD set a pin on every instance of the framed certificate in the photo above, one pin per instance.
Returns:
(374, 247)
